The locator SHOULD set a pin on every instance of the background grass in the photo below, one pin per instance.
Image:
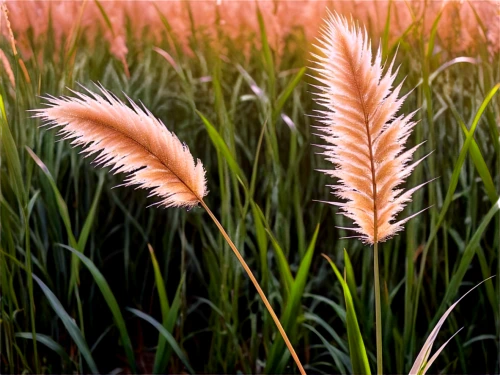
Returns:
(107, 305)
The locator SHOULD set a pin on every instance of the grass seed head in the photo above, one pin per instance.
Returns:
(131, 140)
(365, 138)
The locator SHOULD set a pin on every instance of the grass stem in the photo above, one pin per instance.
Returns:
(378, 317)
(257, 286)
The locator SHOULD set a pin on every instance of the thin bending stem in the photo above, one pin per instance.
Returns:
(378, 315)
(257, 286)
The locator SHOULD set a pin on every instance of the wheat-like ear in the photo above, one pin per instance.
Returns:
(364, 136)
(131, 140)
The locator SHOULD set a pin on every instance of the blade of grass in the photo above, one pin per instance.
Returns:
(291, 312)
(63, 212)
(112, 304)
(421, 365)
(466, 259)
(287, 91)
(168, 336)
(477, 157)
(357, 351)
(82, 239)
(449, 195)
(220, 145)
(70, 325)
(48, 342)
(169, 315)
(337, 356)
(12, 157)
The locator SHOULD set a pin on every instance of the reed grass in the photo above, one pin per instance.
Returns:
(255, 143)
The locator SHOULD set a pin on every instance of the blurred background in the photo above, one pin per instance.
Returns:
(246, 67)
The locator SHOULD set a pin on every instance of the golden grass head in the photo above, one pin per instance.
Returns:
(131, 140)
(364, 136)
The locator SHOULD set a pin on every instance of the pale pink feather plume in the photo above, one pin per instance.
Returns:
(132, 141)
(364, 135)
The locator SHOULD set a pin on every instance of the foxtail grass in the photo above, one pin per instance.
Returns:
(133, 141)
(364, 139)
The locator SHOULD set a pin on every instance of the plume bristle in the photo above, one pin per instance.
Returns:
(363, 134)
(131, 141)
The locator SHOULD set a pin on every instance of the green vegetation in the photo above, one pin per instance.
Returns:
(92, 280)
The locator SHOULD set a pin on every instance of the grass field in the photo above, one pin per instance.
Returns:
(159, 290)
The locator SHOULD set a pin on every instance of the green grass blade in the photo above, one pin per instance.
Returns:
(317, 319)
(357, 351)
(61, 204)
(48, 342)
(176, 304)
(221, 146)
(477, 157)
(421, 364)
(168, 336)
(432, 37)
(160, 359)
(283, 266)
(385, 35)
(339, 310)
(84, 235)
(12, 157)
(289, 318)
(267, 54)
(112, 304)
(105, 16)
(262, 244)
(63, 212)
(451, 191)
(285, 94)
(467, 256)
(69, 323)
(351, 282)
(460, 162)
(301, 278)
(340, 359)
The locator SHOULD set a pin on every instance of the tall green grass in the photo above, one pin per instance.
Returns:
(80, 291)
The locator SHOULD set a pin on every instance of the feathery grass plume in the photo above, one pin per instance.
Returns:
(133, 141)
(364, 139)
(364, 136)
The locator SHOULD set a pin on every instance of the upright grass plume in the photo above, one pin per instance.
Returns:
(133, 141)
(364, 138)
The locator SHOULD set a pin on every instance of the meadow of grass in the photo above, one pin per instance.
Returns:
(92, 280)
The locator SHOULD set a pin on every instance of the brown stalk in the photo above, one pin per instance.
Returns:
(257, 286)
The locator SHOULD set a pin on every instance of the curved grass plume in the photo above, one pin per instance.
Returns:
(133, 141)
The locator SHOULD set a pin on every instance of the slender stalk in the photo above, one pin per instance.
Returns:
(378, 315)
(257, 286)
(29, 276)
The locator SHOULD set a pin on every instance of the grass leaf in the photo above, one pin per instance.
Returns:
(168, 336)
(357, 351)
(69, 323)
(112, 304)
